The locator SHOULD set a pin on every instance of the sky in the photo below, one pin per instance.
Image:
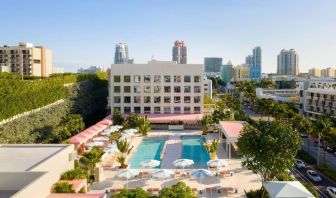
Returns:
(81, 33)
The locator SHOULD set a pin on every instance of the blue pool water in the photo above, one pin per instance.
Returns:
(192, 148)
(147, 150)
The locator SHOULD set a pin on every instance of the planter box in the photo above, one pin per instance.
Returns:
(176, 127)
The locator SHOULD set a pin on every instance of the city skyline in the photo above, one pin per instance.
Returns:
(91, 22)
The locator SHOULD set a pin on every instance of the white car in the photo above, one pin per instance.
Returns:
(300, 164)
(331, 191)
(313, 175)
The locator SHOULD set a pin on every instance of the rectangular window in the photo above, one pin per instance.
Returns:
(147, 89)
(167, 89)
(177, 78)
(116, 99)
(197, 89)
(187, 79)
(186, 109)
(137, 109)
(127, 79)
(127, 99)
(137, 99)
(166, 99)
(186, 99)
(166, 110)
(187, 89)
(147, 109)
(127, 89)
(147, 99)
(166, 79)
(137, 89)
(157, 99)
(177, 110)
(127, 110)
(157, 78)
(116, 89)
(197, 109)
(157, 110)
(137, 79)
(177, 89)
(177, 99)
(157, 89)
(116, 79)
(147, 78)
(197, 78)
(197, 99)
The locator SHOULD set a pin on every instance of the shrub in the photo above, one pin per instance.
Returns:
(76, 173)
(302, 154)
(179, 190)
(135, 193)
(63, 187)
(257, 193)
(310, 188)
(329, 172)
(284, 177)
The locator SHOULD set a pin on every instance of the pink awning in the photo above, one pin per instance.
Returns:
(168, 118)
(75, 195)
(232, 129)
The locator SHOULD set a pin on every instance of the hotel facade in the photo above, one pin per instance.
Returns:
(159, 87)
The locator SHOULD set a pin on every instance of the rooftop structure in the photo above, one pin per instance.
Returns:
(231, 130)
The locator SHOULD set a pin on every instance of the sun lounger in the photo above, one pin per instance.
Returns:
(227, 189)
(208, 190)
(177, 174)
(113, 191)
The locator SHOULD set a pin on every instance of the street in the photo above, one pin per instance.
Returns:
(256, 116)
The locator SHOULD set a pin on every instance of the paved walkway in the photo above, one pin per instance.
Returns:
(172, 152)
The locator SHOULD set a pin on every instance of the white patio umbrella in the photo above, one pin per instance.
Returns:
(111, 149)
(100, 139)
(105, 133)
(127, 132)
(150, 163)
(217, 163)
(117, 127)
(201, 174)
(93, 144)
(182, 163)
(127, 174)
(162, 174)
(131, 130)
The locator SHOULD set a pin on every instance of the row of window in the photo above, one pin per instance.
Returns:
(157, 110)
(157, 99)
(156, 78)
(156, 89)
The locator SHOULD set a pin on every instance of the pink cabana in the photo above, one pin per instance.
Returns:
(168, 118)
(231, 130)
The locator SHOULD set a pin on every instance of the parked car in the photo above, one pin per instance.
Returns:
(330, 149)
(331, 191)
(313, 175)
(299, 163)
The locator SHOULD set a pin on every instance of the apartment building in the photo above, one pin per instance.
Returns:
(27, 59)
(242, 73)
(159, 87)
(320, 99)
(328, 72)
(208, 87)
(315, 72)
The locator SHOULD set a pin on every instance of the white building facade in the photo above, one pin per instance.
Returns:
(208, 87)
(159, 87)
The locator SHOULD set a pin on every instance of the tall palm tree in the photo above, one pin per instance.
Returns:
(124, 148)
(302, 125)
(322, 128)
(144, 125)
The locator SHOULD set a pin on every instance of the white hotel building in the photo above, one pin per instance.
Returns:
(159, 87)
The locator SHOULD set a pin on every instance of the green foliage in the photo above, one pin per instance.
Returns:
(329, 172)
(303, 155)
(205, 122)
(63, 187)
(117, 117)
(91, 158)
(269, 84)
(76, 173)
(212, 147)
(134, 193)
(143, 125)
(179, 190)
(208, 100)
(124, 148)
(228, 101)
(219, 115)
(284, 177)
(274, 141)
(257, 194)
(311, 188)
(133, 120)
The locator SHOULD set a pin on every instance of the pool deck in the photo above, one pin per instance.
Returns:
(241, 180)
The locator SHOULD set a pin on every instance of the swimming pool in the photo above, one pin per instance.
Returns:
(148, 149)
(192, 148)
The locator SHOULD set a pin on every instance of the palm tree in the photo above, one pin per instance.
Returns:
(322, 128)
(212, 148)
(124, 148)
(144, 125)
(302, 125)
(91, 158)
(205, 122)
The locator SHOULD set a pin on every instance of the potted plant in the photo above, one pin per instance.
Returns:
(212, 147)
(125, 148)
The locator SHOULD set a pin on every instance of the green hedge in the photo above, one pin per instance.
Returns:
(329, 172)
(310, 188)
(303, 155)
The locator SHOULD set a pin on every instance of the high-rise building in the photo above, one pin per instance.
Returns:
(212, 64)
(328, 72)
(288, 63)
(121, 54)
(91, 70)
(255, 63)
(242, 73)
(27, 59)
(180, 52)
(227, 72)
(315, 72)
